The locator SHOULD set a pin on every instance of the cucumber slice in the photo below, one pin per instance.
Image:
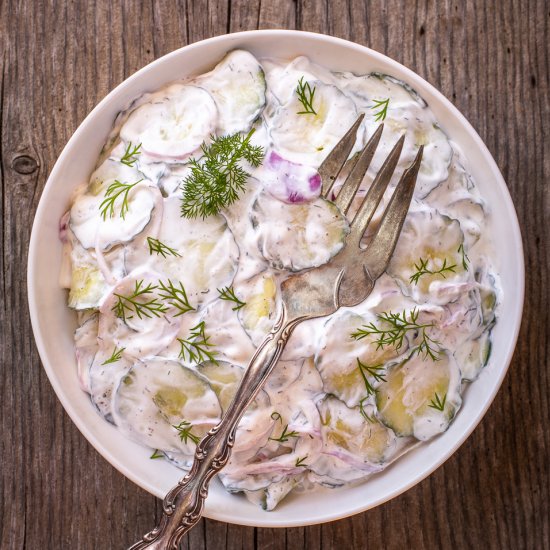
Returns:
(304, 340)
(206, 251)
(488, 297)
(458, 199)
(93, 231)
(406, 114)
(258, 314)
(172, 126)
(347, 434)
(473, 355)
(282, 80)
(226, 335)
(264, 474)
(241, 482)
(170, 183)
(284, 374)
(254, 427)
(337, 354)
(407, 400)
(87, 283)
(435, 239)
(380, 86)
(238, 87)
(87, 286)
(86, 345)
(157, 395)
(106, 174)
(144, 336)
(309, 138)
(179, 460)
(104, 380)
(252, 431)
(369, 449)
(298, 236)
(224, 378)
(269, 497)
(259, 488)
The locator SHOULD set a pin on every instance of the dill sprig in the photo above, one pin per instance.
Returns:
(370, 419)
(116, 356)
(134, 303)
(301, 462)
(217, 178)
(115, 190)
(130, 155)
(184, 431)
(438, 403)
(381, 104)
(285, 434)
(373, 372)
(422, 269)
(195, 347)
(156, 454)
(176, 296)
(160, 248)
(465, 259)
(397, 325)
(228, 293)
(305, 95)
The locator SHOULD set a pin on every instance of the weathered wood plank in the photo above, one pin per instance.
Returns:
(59, 59)
(275, 14)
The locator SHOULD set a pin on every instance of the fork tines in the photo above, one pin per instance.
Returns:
(400, 201)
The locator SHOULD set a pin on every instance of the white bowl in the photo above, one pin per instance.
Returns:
(53, 323)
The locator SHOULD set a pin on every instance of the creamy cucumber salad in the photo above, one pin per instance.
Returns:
(205, 197)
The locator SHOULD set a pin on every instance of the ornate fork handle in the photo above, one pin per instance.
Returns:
(182, 506)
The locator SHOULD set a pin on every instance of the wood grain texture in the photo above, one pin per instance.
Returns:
(58, 59)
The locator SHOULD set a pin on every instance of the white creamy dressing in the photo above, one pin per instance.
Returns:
(339, 430)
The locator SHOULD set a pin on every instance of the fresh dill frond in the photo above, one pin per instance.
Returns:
(135, 303)
(395, 327)
(285, 434)
(176, 297)
(160, 248)
(465, 259)
(116, 356)
(217, 178)
(184, 431)
(228, 293)
(196, 347)
(156, 454)
(381, 104)
(371, 419)
(373, 372)
(422, 269)
(305, 95)
(130, 155)
(115, 190)
(437, 403)
(301, 462)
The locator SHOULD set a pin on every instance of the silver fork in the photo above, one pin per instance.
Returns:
(344, 281)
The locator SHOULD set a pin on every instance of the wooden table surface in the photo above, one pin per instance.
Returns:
(59, 59)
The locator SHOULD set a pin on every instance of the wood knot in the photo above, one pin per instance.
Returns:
(24, 164)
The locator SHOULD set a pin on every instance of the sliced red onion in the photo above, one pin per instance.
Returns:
(290, 182)
(355, 462)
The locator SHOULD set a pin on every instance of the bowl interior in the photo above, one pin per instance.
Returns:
(53, 322)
